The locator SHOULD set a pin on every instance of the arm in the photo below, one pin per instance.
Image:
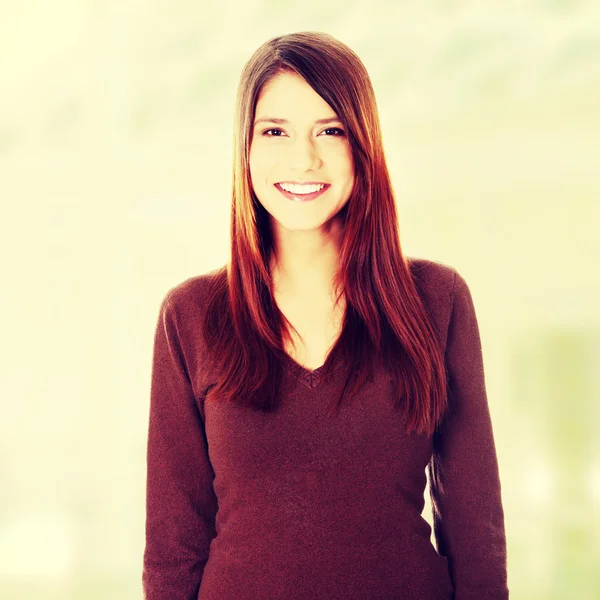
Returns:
(180, 502)
(468, 516)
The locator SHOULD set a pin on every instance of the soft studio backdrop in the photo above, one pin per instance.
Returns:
(115, 183)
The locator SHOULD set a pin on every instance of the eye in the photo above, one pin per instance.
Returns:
(339, 134)
(340, 131)
(266, 131)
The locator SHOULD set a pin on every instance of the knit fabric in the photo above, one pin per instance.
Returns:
(303, 505)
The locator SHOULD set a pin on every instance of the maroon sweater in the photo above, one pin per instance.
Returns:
(301, 505)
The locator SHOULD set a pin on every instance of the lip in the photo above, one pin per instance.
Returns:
(303, 182)
(303, 197)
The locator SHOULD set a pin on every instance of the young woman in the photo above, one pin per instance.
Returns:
(301, 393)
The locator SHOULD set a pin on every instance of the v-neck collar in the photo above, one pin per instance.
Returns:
(311, 379)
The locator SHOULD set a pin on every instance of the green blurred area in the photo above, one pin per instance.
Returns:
(115, 161)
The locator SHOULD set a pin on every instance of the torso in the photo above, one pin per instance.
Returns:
(318, 324)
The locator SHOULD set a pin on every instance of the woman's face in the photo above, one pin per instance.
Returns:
(300, 150)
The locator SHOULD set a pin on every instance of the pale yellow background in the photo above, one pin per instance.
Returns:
(115, 185)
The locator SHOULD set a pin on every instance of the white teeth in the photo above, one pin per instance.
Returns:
(301, 189)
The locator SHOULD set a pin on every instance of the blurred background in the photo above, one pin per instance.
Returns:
(115, 185)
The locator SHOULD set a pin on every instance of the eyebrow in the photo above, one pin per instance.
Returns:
(285, 121)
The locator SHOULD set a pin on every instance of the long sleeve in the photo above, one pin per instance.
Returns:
(468, 516)
(180, 501)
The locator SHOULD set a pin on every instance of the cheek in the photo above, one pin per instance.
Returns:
(255, 167)
(342, 158)
(260, 161)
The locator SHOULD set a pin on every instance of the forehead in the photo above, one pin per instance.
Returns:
(288, 96)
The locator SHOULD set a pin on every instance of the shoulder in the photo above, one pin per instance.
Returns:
(443, 290)
(181, 314)
(193, 292)
(435, 279)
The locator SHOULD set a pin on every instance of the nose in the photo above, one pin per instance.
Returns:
(304, 155)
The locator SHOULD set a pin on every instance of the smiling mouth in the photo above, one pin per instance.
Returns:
(303, 197)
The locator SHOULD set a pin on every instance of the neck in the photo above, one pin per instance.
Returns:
(305, 272)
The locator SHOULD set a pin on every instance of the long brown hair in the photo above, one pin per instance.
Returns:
(385, 317)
